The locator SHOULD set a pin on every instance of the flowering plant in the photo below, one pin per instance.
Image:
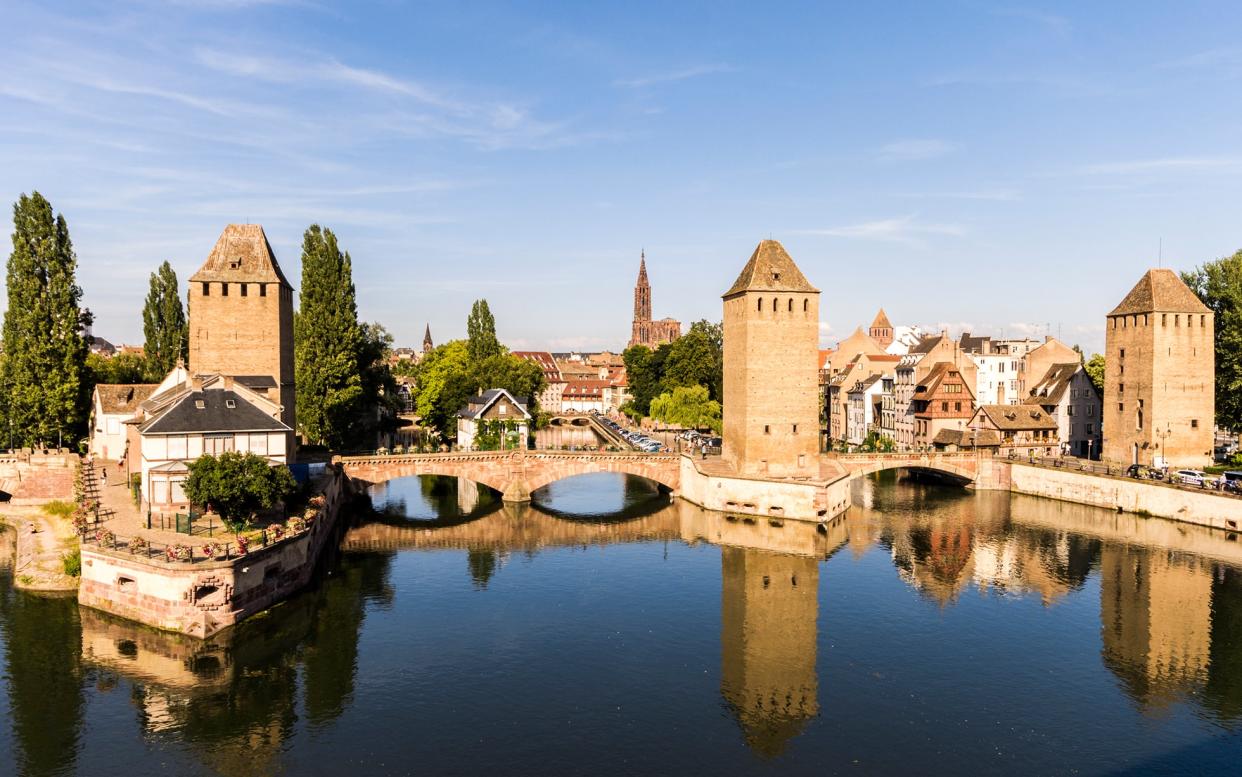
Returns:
(242, 545)
(277, 532)
(319, 500)
(138, 545)
(178, 552)
(296, 525)
(209, 549)
(105, 537)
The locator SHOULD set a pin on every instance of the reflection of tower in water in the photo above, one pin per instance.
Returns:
(1156, 618)
(769, 611)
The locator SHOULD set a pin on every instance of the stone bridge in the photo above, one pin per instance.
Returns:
(977, 469)
(515, 474)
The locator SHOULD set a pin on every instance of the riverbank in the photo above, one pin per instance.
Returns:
(202, 595)
(41, 543)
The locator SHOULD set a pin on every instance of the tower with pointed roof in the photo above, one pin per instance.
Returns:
(428, 346)
(644, 331)
(1159, 380)
(241, 317)
(771, 354)
(882, 330)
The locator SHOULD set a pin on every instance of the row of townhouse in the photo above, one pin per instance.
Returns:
(942, 392)
(580, 382)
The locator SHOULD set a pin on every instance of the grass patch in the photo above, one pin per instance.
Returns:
(25, 579)
(59, 509)
(72, 563)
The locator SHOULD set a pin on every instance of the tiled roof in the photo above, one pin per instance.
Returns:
(212, 410)
(1160, 291)
(881, 321)
(241, 254)
(926, 344)
(770, 269)
(123, 397)
(967, 438)
(1052, 387)
(1017, 418)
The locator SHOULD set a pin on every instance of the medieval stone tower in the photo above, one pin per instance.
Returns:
(771, 354)
(241, 317)
(1159, 379)
(881, 329)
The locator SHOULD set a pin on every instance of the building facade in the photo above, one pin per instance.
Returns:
(1024, 430)
(1159, 380)
(942, 400)
(644, 331)
(493, 420)
(771, 366)
(1067, 394)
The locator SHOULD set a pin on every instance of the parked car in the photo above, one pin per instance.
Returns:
(1138, 471)
(1193, 477)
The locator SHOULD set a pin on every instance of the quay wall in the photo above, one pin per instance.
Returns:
(804, 499)
(204, 597)
(1205, 508)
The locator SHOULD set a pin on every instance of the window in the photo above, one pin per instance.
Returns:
(957, 406)
(262, 289)
(1121, 388)
(1090, 411)
(1194, 423)
(502, 408)
(1121, 407)
(1122, 353)
(224, 289)
(1090, 428)
(258, 444)
(795, 428)
(1138, 423)
(1069, 410)
(1177, 319)
(206, 289)
(215, 444)
(759, 304)
(805, 305)
(944, 407)
(1203, 320)
(1164, 319)
(243, 286)
(767, 429)
(230, 404)
(176, 446)
(774, 304)
(791, 304)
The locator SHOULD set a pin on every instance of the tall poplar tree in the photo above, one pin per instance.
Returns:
(164, 324)
(327, 341)
(42, 383)
(481, 332)
(1219, 285)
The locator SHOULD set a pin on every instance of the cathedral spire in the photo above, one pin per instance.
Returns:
(427, 344)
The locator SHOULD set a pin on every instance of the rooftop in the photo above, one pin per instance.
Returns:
(770, 268)
(1160, 290)
(241, 254)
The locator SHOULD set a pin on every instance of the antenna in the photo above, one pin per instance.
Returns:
(1160, 253)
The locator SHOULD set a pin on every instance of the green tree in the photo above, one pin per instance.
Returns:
(689, 407)
(696, 359)
(1095, 371)
(481, 332)
(443, 385)
(327, 341)
(42, 386)
(237, 485)
(379, 387)
(521, 378)
(122, 368)
(644, 370)
(1219, 285)
(163, 324)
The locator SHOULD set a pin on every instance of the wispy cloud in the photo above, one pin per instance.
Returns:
(1226, 61)
(1052, 22)
(1184, 163)
(1070, 85)
(987, 195)
(906, 230)
(672, 75)
(914, 149)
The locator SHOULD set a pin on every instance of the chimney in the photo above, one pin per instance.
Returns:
(196, 382)
(228, 382)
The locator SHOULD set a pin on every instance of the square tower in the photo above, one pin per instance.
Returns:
(771, 368)
(1160, 375)
(241, 317)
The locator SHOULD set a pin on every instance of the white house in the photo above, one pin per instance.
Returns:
(491, 410)
(112, 404)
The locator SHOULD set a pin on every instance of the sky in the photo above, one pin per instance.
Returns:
(1009, 169)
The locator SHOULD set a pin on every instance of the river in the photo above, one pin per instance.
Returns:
(607, 629)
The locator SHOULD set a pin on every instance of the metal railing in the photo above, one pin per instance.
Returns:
(181, 553)
(1106, 469)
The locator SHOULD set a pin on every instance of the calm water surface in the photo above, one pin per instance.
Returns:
(607, 630)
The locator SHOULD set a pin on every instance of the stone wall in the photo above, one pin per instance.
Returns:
(37, 477)
(804, 499)
(205, 597)
(1206, 508)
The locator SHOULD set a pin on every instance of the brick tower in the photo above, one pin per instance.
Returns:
(882, 329)
(771, 368)
(241, 316)
(1159, 379)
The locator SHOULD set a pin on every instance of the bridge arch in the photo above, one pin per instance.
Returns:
(959, 468)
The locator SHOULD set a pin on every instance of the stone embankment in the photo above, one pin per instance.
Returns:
(201, 596)
(31, 479)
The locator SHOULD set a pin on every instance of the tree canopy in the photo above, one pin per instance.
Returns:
(447, 377)
(1219, 285)
(696, 359)
(1095, 371)
(163, 324)
(481, 332)
(237, 485)
(43, 383)
(688, 407)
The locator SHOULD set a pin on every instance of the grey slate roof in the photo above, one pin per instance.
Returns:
(256, 381)
(477, 405)
(186, 417)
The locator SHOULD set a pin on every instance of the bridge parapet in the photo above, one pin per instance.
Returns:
(515, 474)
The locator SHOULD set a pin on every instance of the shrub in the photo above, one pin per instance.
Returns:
(59, 509)
(72, 563)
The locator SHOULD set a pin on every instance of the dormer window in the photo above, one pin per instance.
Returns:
(230, 404)
(776, 276)
(235, 264)
(200, 404)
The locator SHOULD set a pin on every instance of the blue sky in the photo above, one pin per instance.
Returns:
(999, 167)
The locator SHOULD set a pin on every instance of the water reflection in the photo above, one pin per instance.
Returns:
(1169, 621)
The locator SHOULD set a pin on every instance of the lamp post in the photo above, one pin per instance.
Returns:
(1163, 435)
